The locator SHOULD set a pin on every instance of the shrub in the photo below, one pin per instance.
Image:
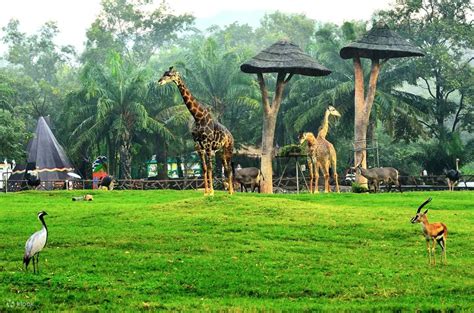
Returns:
(358, 188)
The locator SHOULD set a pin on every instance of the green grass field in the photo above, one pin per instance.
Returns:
(181, 251)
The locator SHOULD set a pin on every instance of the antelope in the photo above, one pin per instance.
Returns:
(388, 175)
(434, 232)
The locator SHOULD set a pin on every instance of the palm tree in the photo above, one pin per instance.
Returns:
(115, 94)
(213, 74)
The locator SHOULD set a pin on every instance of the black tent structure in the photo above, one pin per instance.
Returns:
(46, 159)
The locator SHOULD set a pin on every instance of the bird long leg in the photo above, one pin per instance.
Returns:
(34, 266)
(37, 262)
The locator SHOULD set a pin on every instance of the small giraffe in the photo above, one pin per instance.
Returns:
(323, 130)
(321, 154)
(208, 135)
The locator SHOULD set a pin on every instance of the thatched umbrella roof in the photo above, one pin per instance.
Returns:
(284, 56)
(380, 43)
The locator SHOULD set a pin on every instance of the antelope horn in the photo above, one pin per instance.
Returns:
(423, 204)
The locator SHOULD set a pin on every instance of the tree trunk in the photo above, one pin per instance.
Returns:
(125, 161)
(125, 157)
(162, 157)
(363, 108)
(360, 131)
(270, 114)
(268, 135)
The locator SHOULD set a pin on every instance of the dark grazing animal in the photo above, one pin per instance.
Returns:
(388, 175)
(247, 176)
(106, 181)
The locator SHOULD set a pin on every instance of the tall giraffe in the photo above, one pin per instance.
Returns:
(321, 154)
(208, 135)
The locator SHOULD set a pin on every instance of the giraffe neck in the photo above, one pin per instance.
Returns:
(311, 140)
(325, 126)
(199, 112)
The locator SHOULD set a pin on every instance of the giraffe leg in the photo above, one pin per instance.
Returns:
(226, 160)
(204, 169)
(326, 177)
(316, 177)
(334, 168)
(209, 172)
(336, 177)
(311, 175)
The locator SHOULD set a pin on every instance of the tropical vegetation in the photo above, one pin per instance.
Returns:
(105, 101)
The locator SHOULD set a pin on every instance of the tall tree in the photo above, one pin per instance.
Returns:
(136, 28)
(38, 57)
(445, 77)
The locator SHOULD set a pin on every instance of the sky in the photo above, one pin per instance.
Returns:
(75, 16)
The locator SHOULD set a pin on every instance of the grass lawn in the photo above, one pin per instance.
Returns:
(181, 251)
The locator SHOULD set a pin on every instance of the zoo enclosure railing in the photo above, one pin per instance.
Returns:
(288, 184)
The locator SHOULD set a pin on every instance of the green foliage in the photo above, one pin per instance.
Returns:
(421, 114)
(117, 93)
(443, 30)
(289, 150)
(297, 28)
(467, 169)
(358, 188)
(180, 251)
(13, 135)
(131, 28)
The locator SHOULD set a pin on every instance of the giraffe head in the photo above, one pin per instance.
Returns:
(332, 111)
(169, 76)
(305, 136)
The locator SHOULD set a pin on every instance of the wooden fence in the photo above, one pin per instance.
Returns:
(280, 185)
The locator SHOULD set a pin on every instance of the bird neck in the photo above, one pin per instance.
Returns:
(43, 222)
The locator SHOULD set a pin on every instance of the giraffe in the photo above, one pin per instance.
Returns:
(208, 134)
(321, 154)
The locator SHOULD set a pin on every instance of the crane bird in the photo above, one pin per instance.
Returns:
(453, 176)
(35, 244)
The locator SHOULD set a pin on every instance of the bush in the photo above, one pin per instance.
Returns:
(358, 188)
(289, 150)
